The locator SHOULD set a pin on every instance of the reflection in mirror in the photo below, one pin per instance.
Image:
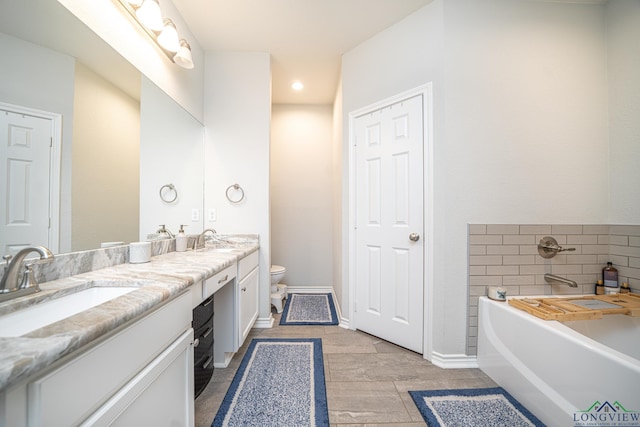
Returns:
(61, 68)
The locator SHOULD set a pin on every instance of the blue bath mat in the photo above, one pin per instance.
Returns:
(478, 407)
(280, 382)
(309, 309)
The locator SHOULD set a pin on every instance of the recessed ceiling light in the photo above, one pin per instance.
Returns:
(297, 85)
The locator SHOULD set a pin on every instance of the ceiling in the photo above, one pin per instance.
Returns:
(306, 38)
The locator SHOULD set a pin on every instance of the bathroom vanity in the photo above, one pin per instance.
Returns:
(130, 360)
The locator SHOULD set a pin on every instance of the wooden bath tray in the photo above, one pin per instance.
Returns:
(563, 309)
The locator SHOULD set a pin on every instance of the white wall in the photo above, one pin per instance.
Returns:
(520, 122)
(237, 134)
(171, 151)
(42, 79)
(106, 162)
(301, 193)
(623, 33)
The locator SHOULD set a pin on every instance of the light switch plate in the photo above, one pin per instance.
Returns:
(213, 215)
(195, 214)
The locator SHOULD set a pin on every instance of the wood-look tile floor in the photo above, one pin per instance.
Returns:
(367, 378)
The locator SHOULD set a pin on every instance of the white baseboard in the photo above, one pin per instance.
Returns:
(310, 290)
(453, 361)
(264, 322)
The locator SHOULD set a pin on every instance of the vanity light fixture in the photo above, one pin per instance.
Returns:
(162, 31)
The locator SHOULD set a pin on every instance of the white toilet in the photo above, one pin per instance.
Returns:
(278, 290)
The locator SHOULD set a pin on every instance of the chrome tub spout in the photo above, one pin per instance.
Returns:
(557, 280)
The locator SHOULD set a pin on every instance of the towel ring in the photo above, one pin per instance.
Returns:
(237, 188)
(172, 188)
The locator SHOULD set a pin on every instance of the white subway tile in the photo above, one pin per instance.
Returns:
(485, 239)
(518, 259)
(634, 262)
(624, 250)
(485, 260)
(528, 249)
(619, 240)
(566, 229)
(604, 239)
(566, 269)
(485, 280)
(532, 269)
(477, 229)
(595, 229)
(582, 239)
(634, 241)
(629, 230)
(595, 249)
(502, 270)
(518, 280)
(522, 239)
(503, 250)
(477, 250)
(477, 270)
(535, 229)
(503, 229)
(582, 259)
(535, 290)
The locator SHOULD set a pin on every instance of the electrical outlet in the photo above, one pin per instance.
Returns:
(213, 215)
(195, 214)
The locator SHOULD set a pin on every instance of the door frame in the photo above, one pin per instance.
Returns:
(54, 167)
(426, 91)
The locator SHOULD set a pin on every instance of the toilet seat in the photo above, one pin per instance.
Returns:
(277, 269)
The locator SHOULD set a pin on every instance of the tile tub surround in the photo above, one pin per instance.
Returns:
(506, 255)
(161, 279)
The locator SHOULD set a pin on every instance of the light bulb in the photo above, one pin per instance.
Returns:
(168, 38)
(297, 85)
(183, 57)
(150, 16)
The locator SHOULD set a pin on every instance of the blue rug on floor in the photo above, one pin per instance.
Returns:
(309, 309)
(280, 382)
(478, 407)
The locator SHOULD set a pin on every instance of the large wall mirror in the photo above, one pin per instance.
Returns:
(110, 126)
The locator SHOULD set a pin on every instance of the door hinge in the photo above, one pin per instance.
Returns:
(50, 142)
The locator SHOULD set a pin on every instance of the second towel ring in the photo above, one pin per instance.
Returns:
(171, 187)
(237, 188)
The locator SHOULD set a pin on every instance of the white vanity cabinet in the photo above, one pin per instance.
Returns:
(247, 295)
(141, 375)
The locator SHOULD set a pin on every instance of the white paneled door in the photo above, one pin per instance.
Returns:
(389, 223)
(25, 160)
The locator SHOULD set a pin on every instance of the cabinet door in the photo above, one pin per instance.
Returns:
(248, 306)
(162, 394)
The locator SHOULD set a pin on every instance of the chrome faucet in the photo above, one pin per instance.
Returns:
(557, 280)
(12, 284)
(199, 241)
(164, 230)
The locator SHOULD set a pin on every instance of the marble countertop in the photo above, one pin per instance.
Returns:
(163, 278)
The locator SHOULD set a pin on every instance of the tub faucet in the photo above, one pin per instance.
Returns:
(199, 241)
(551, 279)
(13, 284)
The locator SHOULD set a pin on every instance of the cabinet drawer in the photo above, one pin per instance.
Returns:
(212, 284)
(204, 341)
(202, 313)
(68, 394)
(248, 263)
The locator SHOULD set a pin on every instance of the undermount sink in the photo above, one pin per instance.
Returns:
(40, 315)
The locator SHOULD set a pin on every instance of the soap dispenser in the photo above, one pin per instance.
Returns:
(181, 239)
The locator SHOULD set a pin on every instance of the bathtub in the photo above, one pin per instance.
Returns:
(559, 370)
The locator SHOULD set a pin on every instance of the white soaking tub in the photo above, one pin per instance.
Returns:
(565, 373)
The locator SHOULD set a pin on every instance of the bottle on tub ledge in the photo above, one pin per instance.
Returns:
(600, 288)
(610, 277)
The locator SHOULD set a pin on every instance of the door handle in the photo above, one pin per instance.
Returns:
(414, 237)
